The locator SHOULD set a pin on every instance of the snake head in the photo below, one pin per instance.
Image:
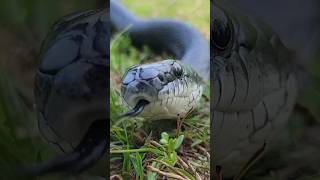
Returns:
(170, 88)
(70, 84)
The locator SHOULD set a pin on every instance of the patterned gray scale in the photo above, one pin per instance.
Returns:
(253, 87)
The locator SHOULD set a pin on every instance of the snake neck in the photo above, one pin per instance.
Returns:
(121, 18)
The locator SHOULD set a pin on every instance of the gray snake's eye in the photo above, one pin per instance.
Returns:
(160, 76)
(222, 32)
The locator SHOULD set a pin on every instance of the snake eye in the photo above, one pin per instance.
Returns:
(160, 76)
(221, 35)
(222, 32)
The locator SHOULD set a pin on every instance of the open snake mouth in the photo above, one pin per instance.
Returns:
(138, 108)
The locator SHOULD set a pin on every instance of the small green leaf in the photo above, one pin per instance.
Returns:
(179, 141)
(163, 141)
(173, 158)
(165, 136)
(126, 162)
(153, 175)
(137, 165)
(171, 145)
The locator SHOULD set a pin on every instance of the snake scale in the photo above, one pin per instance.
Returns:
(253, 85)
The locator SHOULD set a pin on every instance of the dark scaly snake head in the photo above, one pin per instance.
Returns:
(240, 46)
(71, 91)
(167, 88)
(253, 83)
(71, 84)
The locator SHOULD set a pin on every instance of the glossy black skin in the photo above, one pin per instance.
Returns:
(71, 88)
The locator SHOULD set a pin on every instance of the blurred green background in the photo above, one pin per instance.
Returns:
(23, 26)
(196, 12)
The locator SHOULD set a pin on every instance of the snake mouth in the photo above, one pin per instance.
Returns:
(138, 108)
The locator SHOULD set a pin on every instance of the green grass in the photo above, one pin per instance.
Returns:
(20, 142)
(195, 12)
(135, 151)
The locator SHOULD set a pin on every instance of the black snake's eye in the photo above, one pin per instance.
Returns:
(221, 35)
(222, 31)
